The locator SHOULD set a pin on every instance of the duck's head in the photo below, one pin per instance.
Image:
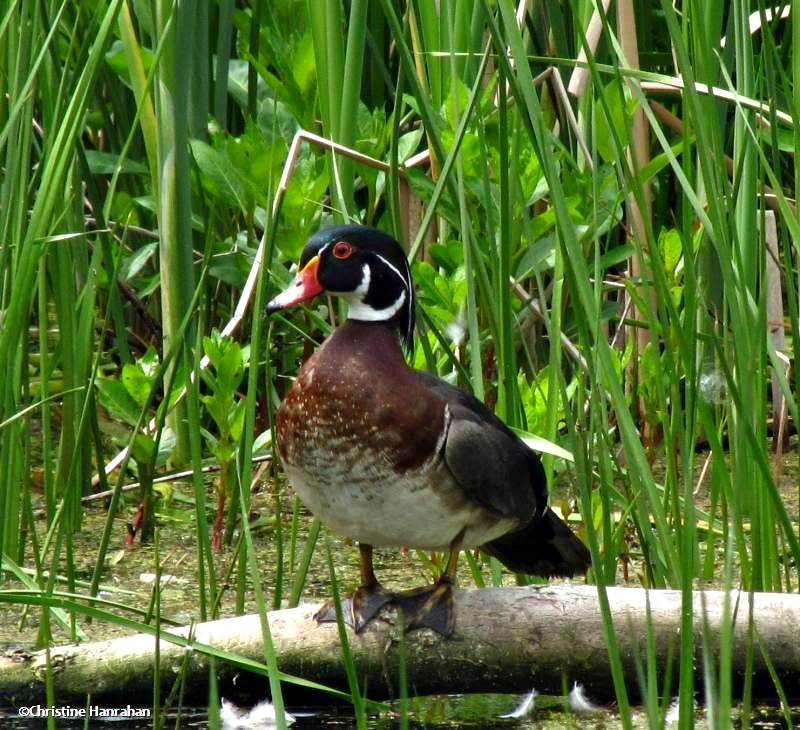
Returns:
(364, 266)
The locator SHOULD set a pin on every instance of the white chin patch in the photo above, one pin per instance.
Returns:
(358, 309)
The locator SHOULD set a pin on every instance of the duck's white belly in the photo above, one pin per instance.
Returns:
(421, 508)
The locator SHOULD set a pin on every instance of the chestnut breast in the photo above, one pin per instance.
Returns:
(361, 439)
(357, 394)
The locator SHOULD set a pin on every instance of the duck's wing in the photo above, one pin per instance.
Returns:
(491, 464)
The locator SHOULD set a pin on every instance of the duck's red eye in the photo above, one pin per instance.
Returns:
(342, 249)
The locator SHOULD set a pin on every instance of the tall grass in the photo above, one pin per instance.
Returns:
(129, 218)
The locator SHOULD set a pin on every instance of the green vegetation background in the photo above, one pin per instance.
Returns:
(613, 268)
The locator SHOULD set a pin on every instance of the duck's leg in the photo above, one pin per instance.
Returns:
(367, 600)
(432, 607)
(370, 597)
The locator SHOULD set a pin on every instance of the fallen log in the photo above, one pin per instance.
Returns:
(506, 640)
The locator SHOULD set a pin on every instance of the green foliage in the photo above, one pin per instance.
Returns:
(142, 146)
(228, 362)
(125, 398)
(139, 378)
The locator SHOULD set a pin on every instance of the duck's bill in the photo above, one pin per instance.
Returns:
(305, 286)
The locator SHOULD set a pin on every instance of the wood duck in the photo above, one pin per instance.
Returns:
(392, 456)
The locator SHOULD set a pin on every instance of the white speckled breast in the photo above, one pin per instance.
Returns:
(419, 509)
(361, 440)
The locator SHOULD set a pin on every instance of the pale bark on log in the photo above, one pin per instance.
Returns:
(506, 640)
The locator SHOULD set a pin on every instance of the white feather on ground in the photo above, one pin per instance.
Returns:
(260, 717)
(524, 708)
(580, 703)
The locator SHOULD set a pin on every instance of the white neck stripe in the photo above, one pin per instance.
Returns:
(409, 290)
(364, 312)
(358, 309)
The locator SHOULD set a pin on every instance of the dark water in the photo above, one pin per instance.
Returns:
(433, 713)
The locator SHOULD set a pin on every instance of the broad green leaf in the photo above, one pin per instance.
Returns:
(106, 163)
(117, 400)
(671, 247)
(220, 178)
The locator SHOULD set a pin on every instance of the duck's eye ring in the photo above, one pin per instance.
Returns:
(342, 249)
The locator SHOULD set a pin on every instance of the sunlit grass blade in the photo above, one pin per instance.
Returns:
(359, 706)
